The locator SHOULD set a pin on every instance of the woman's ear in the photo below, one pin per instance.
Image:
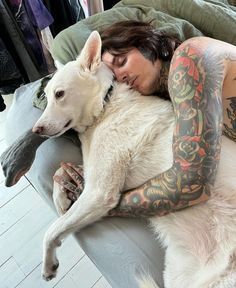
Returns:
(90, 56)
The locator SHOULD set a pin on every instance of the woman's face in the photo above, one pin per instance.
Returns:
(135, 70)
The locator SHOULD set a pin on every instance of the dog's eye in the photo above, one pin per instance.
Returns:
(59, 94)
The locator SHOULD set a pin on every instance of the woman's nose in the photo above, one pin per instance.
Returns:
(120, 76)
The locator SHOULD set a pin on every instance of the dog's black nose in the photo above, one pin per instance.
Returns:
(38, 130)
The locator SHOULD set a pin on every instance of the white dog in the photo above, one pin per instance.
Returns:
(126, 141)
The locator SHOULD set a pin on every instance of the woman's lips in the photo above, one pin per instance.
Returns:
(132, 82)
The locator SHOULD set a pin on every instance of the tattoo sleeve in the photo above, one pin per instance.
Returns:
(195, 87)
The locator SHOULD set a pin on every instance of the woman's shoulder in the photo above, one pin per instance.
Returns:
(217, 55)
(203, 42)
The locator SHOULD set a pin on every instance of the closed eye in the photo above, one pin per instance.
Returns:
(59, 94)
(120, 60)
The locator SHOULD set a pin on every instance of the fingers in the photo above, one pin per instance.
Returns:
(78, 168)
(72, 196)
(70, 179)
(66, 184)
(72, 192)
(75, 172)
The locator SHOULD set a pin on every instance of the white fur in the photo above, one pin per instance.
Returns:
(146, 281)
(125, 142)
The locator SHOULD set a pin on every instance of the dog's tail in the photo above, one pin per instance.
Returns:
(146, 281)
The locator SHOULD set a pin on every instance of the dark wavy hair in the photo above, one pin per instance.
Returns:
(154, 44)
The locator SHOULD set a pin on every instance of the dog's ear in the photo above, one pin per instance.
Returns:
(90, 56)
(58, 64)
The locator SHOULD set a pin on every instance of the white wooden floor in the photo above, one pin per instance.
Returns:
(24, 218)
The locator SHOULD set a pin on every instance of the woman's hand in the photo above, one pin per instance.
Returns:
(71, 180)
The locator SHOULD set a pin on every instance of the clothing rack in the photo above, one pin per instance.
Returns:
(23, 57)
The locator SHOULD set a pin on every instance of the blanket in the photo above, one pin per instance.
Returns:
(183, 19)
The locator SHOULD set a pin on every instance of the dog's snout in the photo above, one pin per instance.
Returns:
(38, 130)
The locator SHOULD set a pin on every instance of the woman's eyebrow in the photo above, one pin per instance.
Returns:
(114, 60)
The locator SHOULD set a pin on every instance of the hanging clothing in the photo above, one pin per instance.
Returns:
(22, 18)
(10, 77)
(8, 69)
(77, 10)
(69, 13)
(24, 26)
(39, 15)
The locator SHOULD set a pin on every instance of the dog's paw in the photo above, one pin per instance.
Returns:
(49, 270)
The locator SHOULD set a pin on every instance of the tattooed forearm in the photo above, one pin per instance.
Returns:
(195, 86)
(160, 196)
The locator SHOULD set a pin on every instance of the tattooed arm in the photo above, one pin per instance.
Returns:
(195, 86)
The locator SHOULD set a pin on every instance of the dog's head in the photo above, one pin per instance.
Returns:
(75, 94)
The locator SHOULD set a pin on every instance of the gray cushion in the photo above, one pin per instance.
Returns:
(118, 247)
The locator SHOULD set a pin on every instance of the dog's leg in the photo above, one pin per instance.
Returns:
(90, 207)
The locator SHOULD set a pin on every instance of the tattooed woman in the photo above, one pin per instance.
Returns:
(199, 76)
